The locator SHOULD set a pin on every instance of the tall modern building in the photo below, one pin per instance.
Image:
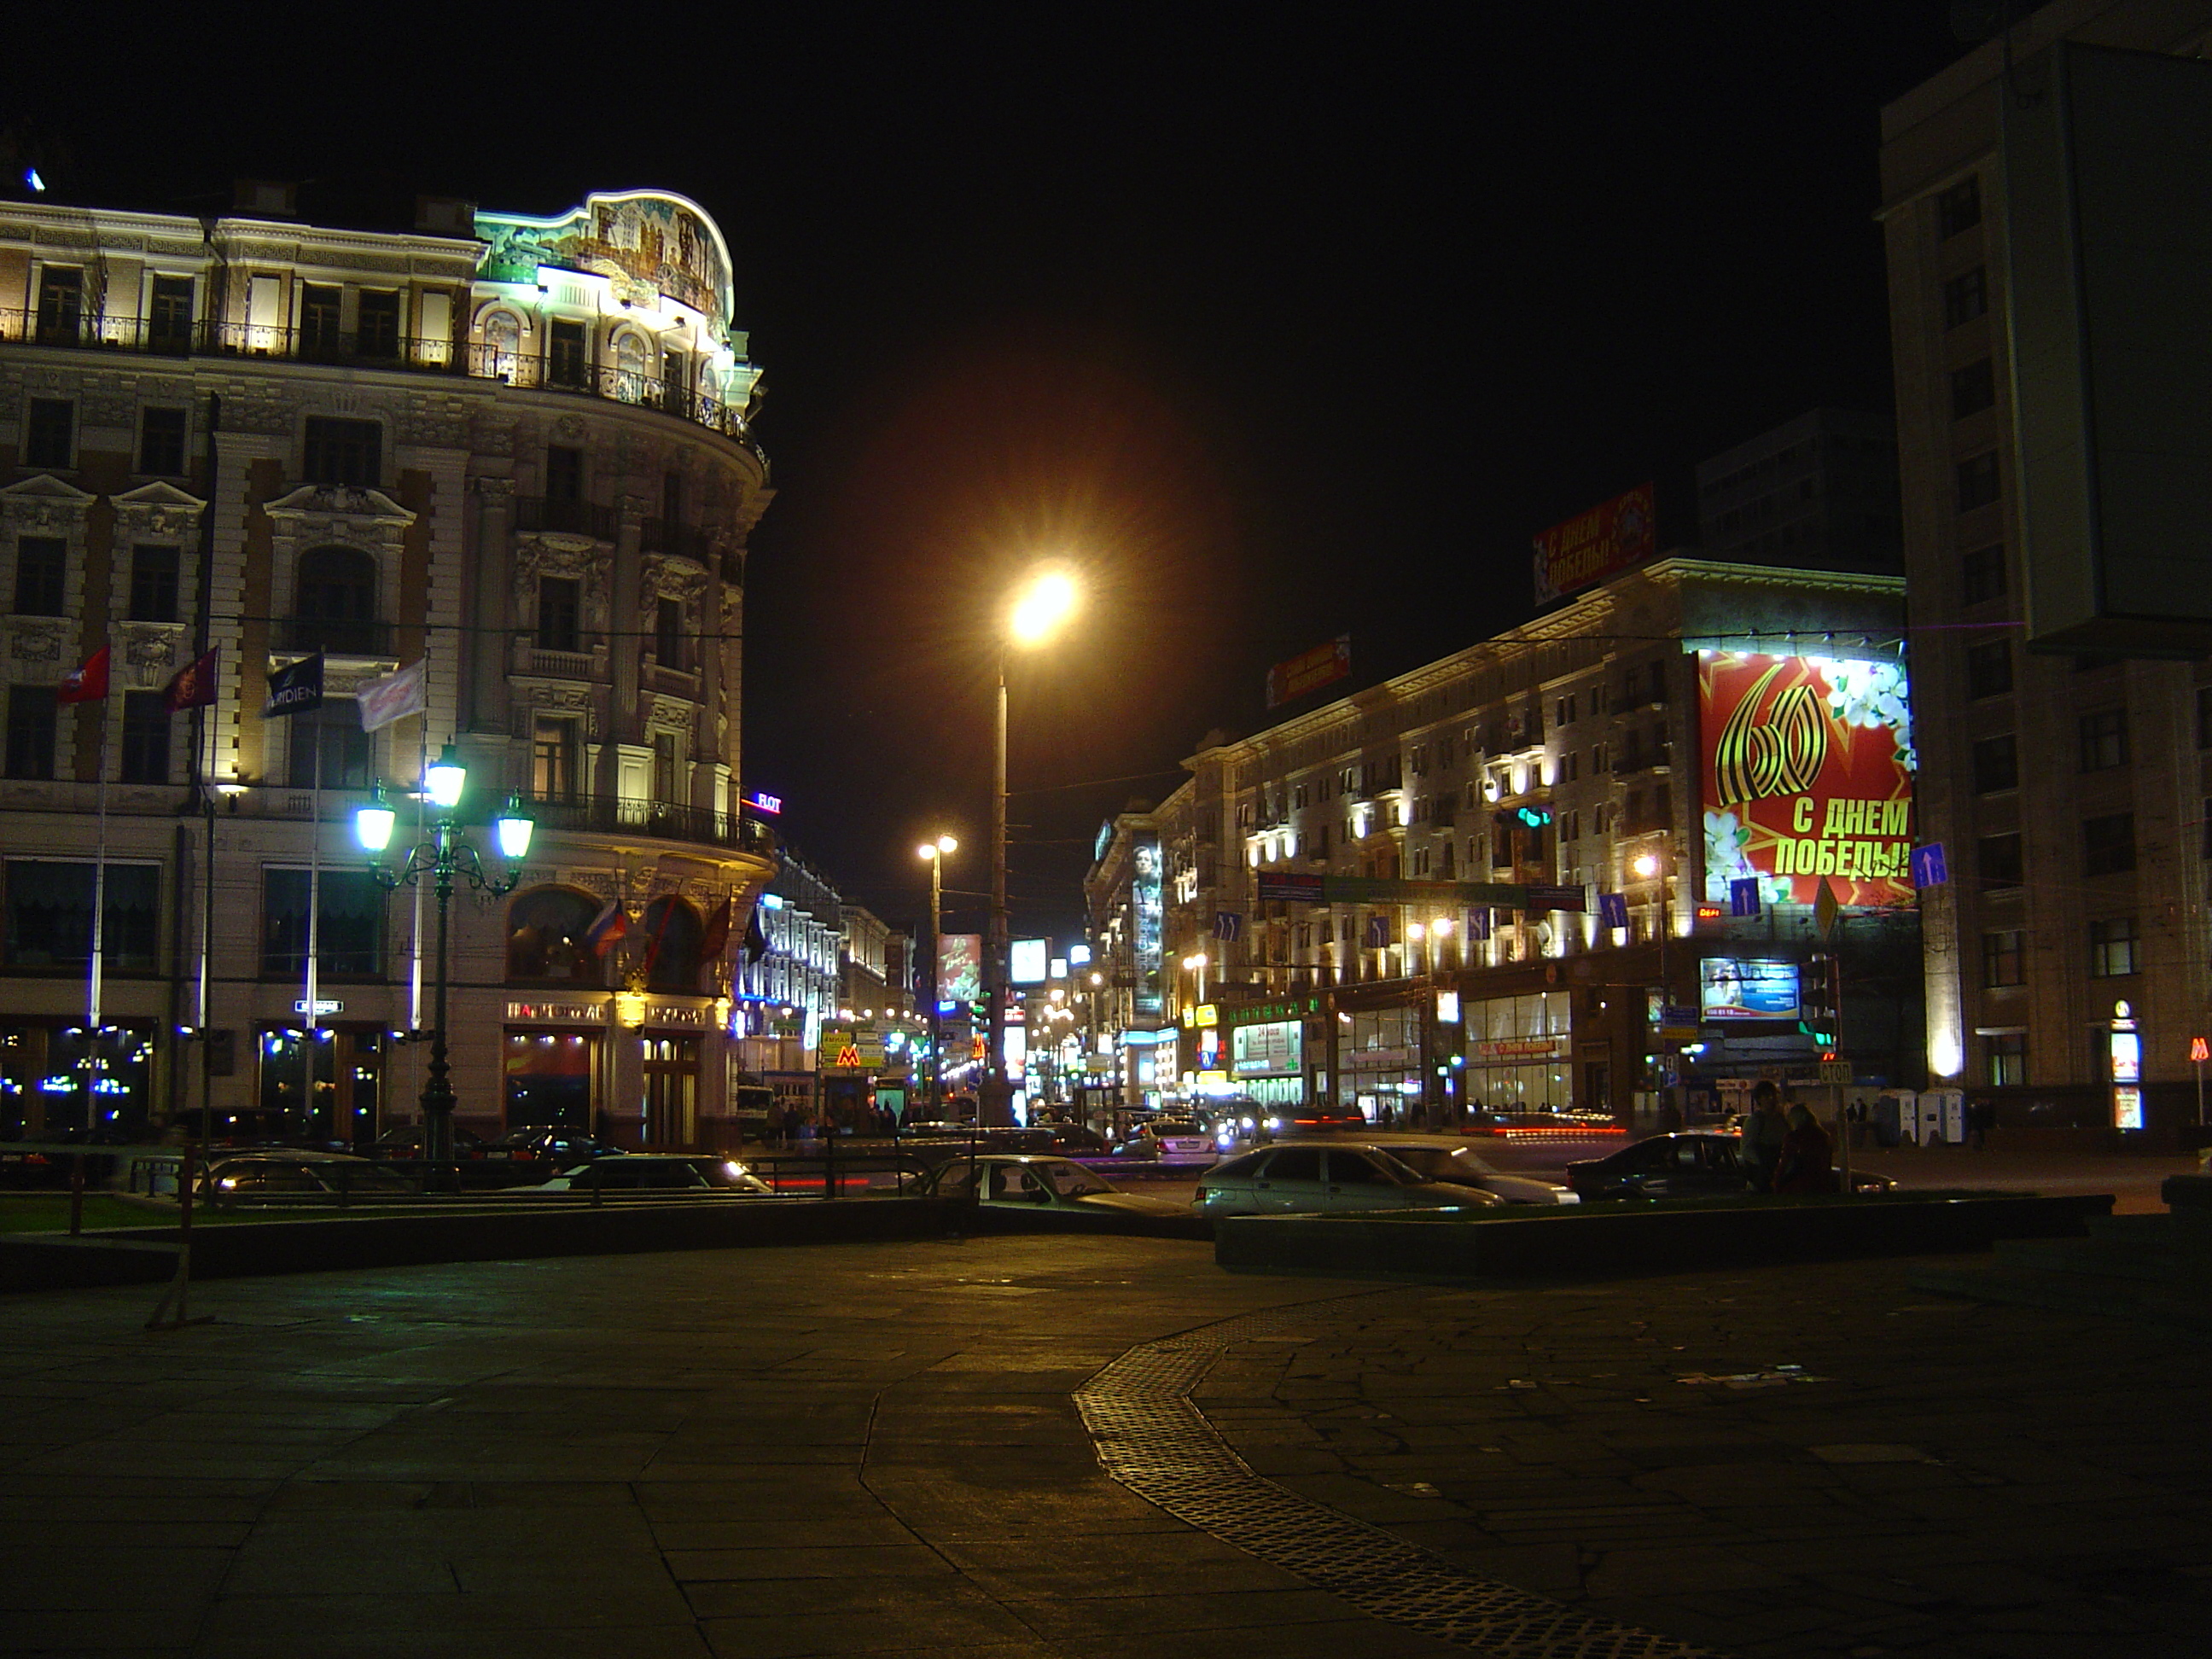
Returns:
(1818, 493)
(515, 449)
(2069, 790)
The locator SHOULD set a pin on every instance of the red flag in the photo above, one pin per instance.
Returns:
(86, 683)
(718, 934)
(610, 925)
(191, 686)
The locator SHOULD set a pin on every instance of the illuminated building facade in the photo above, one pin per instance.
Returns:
(2071, 793)
(1562, 762)
(514, 449)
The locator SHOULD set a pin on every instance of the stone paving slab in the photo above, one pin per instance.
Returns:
(873, 1450)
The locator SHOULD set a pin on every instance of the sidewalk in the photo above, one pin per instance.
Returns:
(874, 1448)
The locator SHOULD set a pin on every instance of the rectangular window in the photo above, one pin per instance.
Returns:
(41, 571)
(61, 305)
(152, 584)
(376, 333)
(1966, 297)
(1959, 208)
(668, 633)
(335, 731)
(1973, 389)
(1983, 574)
(30, 731)
(161, 441)
(145, 738)
(553, 758)
(1977, 480)
(2108, 844)
(564, 355)
(350, 930)
(564, 473)
(2008, 1056)
(1997, 765)
(320, 308)
(560, 614)
(665, 769)
(49, 921)
(169, 315)
(2104, 739)
(2115, 948)
(2004, 958)
(1989, 668)
(671, 499)
(344, 451)
(49, 433)
(1998, 861)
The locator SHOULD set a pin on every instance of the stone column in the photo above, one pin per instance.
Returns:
(628, 643)
(492, 606)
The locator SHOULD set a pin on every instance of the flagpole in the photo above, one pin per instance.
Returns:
(99, 904)
(314, 933)
(421, 766)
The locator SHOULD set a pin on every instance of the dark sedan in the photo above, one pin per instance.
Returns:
(1689, 1164)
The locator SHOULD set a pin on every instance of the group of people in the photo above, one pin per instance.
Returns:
(1786, 1151)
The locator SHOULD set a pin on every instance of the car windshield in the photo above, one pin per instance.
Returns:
(1397, 1168)
(1070, 1179)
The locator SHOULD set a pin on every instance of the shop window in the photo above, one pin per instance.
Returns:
(549, 1078)
(49, 915)
(674, 936)
(547, 931)
(672, 1091)
(350, 934)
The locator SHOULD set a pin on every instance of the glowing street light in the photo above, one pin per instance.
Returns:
(934, 851)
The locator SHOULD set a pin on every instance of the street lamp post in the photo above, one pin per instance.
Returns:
(446, 854)
(934, 851)
(1036, 616)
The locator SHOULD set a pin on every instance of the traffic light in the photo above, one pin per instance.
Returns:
(1535, 817)
(1820, 1001)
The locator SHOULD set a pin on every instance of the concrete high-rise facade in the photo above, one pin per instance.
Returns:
(2069, 792)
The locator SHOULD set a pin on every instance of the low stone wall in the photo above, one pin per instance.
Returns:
(147, 1256)
(1658, 1239)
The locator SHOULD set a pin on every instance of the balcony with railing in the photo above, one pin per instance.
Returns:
(660, 820)
(337, 637)
(534, 513)
(673, 536)
(371, 349)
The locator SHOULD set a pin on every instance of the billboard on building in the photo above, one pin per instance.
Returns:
(1310, 670)
(1276, 1049)
(1149, 916)
(1747, 987)
(1025, 961)
(1807, 765)
(1593, 545)
(960, 966)
(646, 243)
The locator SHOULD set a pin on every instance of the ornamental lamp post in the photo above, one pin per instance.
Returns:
(934, 851)
(445, 855)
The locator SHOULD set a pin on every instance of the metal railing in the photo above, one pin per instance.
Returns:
(575, 518)
(673, 535)
(659, 819)
(341, 637)
(214, 336)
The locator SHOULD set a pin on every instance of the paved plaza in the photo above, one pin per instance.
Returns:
(876, 1449)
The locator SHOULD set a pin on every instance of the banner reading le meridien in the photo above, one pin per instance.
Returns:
(1808, 768)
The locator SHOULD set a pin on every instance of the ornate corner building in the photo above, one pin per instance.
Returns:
(514, 449)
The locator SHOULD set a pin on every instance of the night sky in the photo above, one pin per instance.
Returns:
(1277, 322)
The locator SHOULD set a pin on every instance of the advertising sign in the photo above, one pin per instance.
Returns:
(1591, 546)
(646, 243)
(1738, 988)
(960, 966)
(1144, 900)
(1275, 1050)
(1025, 961)
(1310, 670)
(1807, 765)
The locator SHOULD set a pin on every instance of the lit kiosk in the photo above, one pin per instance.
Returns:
(444, 855)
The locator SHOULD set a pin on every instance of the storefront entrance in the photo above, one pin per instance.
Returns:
(323, 1084)
(57, 1079)
(550, 1077)
(672, 1091)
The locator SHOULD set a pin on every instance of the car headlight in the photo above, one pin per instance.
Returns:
(733, 1168)
(1274, 1124)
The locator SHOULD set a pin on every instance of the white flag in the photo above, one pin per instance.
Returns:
(394, 697)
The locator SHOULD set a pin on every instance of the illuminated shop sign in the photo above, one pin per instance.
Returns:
(1145, 901)
(1275, 1050)
(1026, 960)
(960, 966)
(761, 803)
(1806, 765)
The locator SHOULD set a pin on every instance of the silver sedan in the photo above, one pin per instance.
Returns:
(1459, 1163)
(1305, 1179)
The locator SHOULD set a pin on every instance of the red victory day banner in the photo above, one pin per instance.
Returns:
(1807, 765)
(1593, 545)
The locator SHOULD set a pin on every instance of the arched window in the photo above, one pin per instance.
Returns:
(673, 935)
(546, 930)
(334, 609)
(502, 346)
(629, 367)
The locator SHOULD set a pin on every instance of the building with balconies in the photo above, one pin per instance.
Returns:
(514, 449)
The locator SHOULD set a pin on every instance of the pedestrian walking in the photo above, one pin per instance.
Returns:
(1763, 1134)
(1981, 1118)
(1806, 1163)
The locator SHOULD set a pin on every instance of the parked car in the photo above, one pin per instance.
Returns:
(1459, 1163)
(659, 1175)
(1075, 1139)
(1051, 1185)
(558, 1146)
(1168, 1137)
(412, 1141)
(298, 1176)
(1303, 1177)
(1686, 1163)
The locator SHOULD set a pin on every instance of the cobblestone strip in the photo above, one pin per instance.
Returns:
(1155, 1442)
